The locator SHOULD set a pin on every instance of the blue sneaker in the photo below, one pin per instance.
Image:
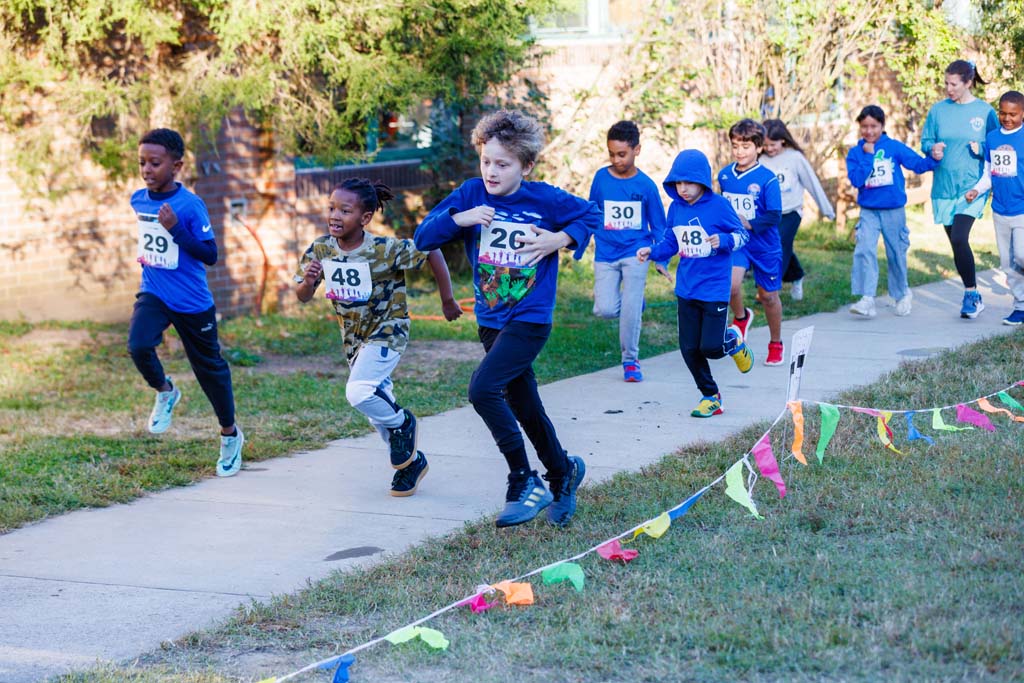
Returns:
(563, 507)
(972, 305)
(407, 479)
(1014, 319)
(230, 460)
(526, 496)
(402, 442)
(631, 372)
(163, 409)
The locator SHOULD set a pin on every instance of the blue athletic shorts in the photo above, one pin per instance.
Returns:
(767, 267)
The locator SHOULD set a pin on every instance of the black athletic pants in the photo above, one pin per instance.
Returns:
(702, 327)
(959, 238)
(791, 268)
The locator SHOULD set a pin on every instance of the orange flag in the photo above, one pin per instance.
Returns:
(516, 593)
(797, 408)
(984, 404)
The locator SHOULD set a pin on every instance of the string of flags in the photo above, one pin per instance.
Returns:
(739, 478)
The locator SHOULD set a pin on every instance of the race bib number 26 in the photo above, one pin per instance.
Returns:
(348, 280)
(498, 244)
(157, 248)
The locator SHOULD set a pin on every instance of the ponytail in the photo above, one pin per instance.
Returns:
(967, 72)
(372, 194)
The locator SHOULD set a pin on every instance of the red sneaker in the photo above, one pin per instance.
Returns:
(742, 325)
(776, 355)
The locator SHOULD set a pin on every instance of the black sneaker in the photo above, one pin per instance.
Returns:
(526, 496)
(403, 442)
(564, 489)
(407, 479)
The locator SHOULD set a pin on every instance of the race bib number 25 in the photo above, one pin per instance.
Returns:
(157, 248)
(348, 280)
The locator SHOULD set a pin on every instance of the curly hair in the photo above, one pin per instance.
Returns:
(515, 131)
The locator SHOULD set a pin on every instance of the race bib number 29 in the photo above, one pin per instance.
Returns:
(348, 280)
(498, 244)
(157, 249)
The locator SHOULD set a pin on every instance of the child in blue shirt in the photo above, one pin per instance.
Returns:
(1004, 149)
(873, 166)
(754, 193)
(512, 230)
(705, 234)
(633, 217)
(175, 245)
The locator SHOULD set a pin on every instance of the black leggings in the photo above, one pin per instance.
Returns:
(959, 235)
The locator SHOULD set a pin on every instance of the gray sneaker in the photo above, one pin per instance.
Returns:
(163, 409)
(230, 460)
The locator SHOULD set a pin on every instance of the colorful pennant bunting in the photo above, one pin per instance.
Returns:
(768, 465)
(797, 409)
(965, 413)
(1009, 401)
(341, 673)
(613, 550)
(937, 423)
(681, 509)
(655, 528)
(431, 637)
(885, 431)
(829, 421)
(516, 593)
(478, 603)
(735, 489)
(913, 434)
(566, 571)
(987, 406)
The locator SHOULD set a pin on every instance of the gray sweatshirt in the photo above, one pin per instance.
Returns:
(796, 175)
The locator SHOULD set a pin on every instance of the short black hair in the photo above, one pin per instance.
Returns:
(1012, 97)
(625, 131)
(168, 139)
(748, 130)
(874, 111)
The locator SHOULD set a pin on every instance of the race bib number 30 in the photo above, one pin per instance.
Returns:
(622, 215)
(348, 280)
(881, 173)
(498, 244)
(692, 241)
(1004, 163)
(743, 204)
(157, 249)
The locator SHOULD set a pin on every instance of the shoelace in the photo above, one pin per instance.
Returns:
(517, 486)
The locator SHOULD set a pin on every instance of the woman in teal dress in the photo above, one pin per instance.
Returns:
(960, 124)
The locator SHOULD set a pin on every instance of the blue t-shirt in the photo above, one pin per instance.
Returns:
(755, 195)
(1004, 152)
(182, 288)
(704, 277)
(878, 177)
(504, 288)
(957, 125)
(633, 215)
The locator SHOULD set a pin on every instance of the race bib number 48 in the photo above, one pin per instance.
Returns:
(881, 173)
(157, 248)
(742, 203)
(348, 280)
(1004, 163)
(692, 241)
(498, 244)
(622, 215)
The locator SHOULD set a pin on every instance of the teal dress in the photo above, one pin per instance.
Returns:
(958, 125)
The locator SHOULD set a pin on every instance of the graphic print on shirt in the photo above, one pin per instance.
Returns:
(881, 171)
(504, 279)
(692, 239)
(1004, 161)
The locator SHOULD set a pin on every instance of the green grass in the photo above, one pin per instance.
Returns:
(72, 416)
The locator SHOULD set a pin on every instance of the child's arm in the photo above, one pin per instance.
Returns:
(770, 216)
(310, 281)
(734, 233)
(449, 305)
(575, 219)
(809, 179)
(984, 183)
(655, 212)
(201, 250)
(911, 160)
(448, 220)
(859, 165)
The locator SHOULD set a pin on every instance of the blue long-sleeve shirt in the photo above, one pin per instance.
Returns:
(878, 177)
(505, 289)
(634, 216)
(755, 195)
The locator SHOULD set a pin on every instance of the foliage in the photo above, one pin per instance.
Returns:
(315, 71)
(1002, 35)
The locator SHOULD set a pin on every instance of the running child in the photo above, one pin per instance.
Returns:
(633, 217)
(176, 244)
(705, 233)
(753, 191)
(1004, 148)
(873, 166)
(515, 299)
(364, 276)
(783, 156)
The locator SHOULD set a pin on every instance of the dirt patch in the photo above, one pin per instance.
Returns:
(45, 339)
(420, 359)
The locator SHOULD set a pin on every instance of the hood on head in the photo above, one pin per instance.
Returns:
(690, 166)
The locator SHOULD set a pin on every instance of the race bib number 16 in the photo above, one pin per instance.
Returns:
(498, 244)
(743, 204)
(157, 249)
(348, 280)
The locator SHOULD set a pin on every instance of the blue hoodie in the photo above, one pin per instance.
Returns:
(878, 176)
(701, 275)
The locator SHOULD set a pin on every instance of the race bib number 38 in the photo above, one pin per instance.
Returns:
(348, 280)
(743, 204)
(622, 215)
(692, 241)
(157, 248)
(498, 244)
(1004, 163)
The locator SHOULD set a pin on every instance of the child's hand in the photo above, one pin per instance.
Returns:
(451, 309)
(478, 215)
(642, 254)
(868, 147)
(312, 274)
(538, 243)
(662, 270)
(714, 240)
(971, 196)
(939, 151)
(167, 217)
(975, 148)
(746, 223)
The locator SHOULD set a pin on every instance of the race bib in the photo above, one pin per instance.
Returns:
(881, 173)
(742, 203)
(157, 249)
(622, 215)
(784, 184)
(498, 244)
(1004, 163)
(347, 280)
(692, 241)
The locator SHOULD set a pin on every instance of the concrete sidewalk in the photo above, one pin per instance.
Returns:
(109, 584)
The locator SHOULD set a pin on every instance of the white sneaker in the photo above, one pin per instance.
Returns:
(797, 293)
(864, 307)
(163, 409)
(230, 460)
(903, 305)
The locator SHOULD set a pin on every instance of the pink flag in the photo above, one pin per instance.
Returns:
(767, 464)
(972, 416)
(613, 550)
(479, 604)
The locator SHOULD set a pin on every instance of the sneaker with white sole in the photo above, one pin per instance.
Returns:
(230, 460)
(903, 305)
(797, 293)
(865, 307)
(972, 304)
(526, 496)
(1014, 319)
(163, 409)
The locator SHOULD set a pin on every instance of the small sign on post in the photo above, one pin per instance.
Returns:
(799, 347)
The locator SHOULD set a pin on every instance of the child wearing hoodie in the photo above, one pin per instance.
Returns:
(705, 230)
